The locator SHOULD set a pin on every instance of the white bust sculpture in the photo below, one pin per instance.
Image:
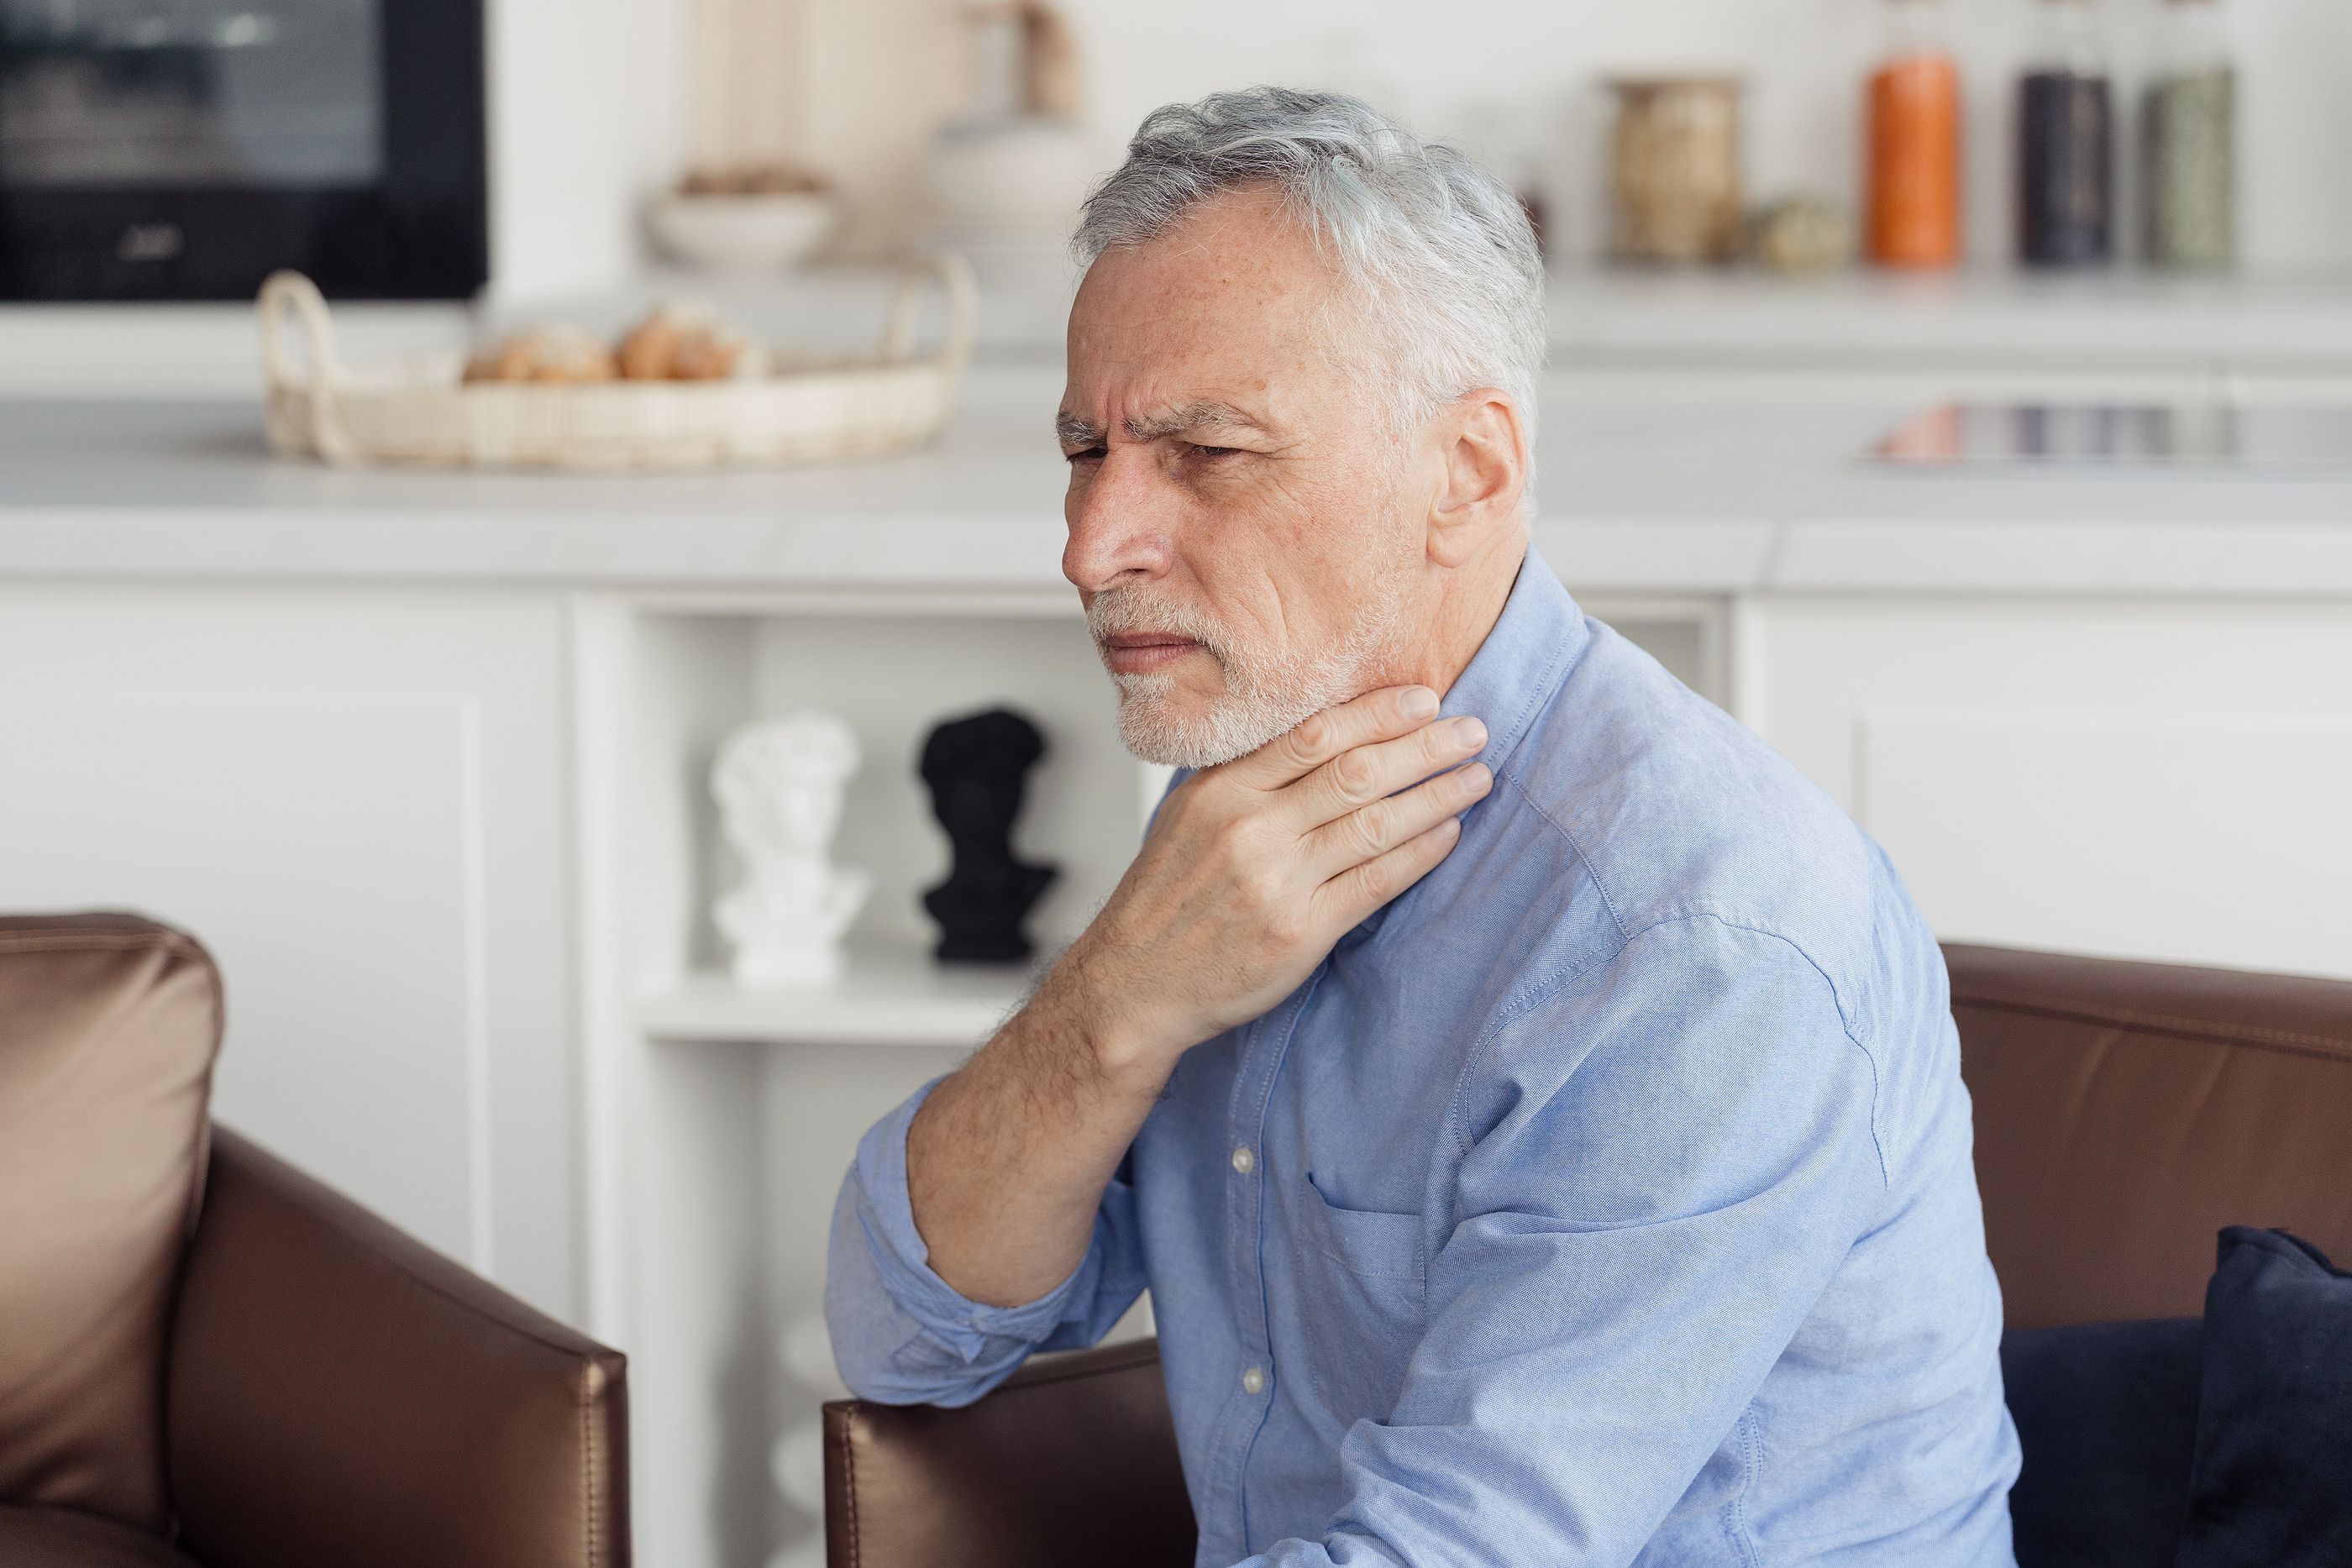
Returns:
(778, 783)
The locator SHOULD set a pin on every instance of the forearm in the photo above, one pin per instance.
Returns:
(1007, 1160)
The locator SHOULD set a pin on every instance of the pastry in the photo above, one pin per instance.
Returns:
(684, 343)
(560, 355)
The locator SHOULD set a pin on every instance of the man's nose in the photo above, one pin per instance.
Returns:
(1119, 519)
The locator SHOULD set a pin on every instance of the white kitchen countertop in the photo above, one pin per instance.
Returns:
(1638, 497)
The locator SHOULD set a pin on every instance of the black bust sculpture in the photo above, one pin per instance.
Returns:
(977, 770)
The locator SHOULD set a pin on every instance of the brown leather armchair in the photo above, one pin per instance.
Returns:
(209, 1360)
(2124, 1112)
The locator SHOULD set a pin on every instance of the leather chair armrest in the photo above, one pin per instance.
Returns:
(1071, 1464)
(340, 1394)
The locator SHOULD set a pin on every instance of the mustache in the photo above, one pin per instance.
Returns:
(1122, 611)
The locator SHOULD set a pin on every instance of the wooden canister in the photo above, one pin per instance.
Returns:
(1674, 169)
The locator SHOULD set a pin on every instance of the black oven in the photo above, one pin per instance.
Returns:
(183, 149)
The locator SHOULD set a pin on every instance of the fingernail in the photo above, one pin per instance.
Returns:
(1469, 732)
(1417, 701)
(1476, 780)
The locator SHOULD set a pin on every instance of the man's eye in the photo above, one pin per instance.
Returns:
(1084, 455)
(1213, 453)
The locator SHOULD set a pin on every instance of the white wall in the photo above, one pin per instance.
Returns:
(585, 114)
(1532, 66)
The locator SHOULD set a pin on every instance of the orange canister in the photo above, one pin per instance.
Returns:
(1913, 156)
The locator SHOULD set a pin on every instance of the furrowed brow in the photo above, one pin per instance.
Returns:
(1076, 432)
(1186, 420)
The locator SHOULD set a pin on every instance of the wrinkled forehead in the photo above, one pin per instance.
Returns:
(1233, 304)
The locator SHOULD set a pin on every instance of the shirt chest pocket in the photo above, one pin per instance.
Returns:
(1362, 1283)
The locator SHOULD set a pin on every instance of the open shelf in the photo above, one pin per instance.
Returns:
(888, 994)
(1632, 317)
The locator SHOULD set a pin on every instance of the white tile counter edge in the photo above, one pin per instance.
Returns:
(1639, 498)
(1016, 556)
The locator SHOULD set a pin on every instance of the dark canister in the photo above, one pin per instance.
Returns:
(2066, 142)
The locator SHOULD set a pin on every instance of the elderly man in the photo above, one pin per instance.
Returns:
(1533, 1108)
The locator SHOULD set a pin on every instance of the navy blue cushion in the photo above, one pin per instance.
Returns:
(2106, 1414)
(2272, 1486)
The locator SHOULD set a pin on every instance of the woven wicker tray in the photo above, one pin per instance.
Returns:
(419, 410)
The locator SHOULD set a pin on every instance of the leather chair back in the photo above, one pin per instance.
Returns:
(2124, 1112)
(1072, 1461)
(108, 1026)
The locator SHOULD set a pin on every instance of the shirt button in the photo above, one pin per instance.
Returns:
(1243, 1161)
(1254, 1381)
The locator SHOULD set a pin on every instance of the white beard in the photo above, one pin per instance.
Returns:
(1265, 694)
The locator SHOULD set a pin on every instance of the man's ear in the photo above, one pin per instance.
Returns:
(1484, 450)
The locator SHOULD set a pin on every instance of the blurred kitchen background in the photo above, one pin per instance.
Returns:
(592, 110)
(1959, 392)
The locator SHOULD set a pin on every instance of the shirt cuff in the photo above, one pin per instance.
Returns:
(956, 1321)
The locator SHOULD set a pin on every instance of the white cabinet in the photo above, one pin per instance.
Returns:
(2150, 778)
(357, 800)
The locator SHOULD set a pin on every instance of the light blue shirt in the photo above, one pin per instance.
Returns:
(1607, 1199)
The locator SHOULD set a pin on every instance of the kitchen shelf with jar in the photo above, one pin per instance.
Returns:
(1605, 321)
(1603, 318)
(1630, 315)
(1608, 318)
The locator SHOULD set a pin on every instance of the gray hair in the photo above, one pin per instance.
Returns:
(1441, 256)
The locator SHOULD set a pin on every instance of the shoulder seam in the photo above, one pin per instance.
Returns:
(1607, 902)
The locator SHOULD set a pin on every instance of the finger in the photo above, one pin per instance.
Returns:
(1356, 778)
(1370, 832)
(1355, 892)
(1377, 715)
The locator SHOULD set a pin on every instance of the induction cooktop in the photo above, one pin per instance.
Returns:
(2043, 436)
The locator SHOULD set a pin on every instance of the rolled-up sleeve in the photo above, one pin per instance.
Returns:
(1663, 1164)
(902, 1335)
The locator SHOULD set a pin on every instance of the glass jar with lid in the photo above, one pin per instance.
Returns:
(2191, 134)
(2065, 141)
(1674, 169)
(1912, 151)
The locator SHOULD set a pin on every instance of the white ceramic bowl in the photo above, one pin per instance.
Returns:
(1023, 172)
(742, 233)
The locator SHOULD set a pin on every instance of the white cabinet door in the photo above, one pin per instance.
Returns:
(357, 802)
(2145, 779)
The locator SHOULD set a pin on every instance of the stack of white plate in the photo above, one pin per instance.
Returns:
(1007, 253)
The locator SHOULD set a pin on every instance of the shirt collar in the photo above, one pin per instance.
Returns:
(1526, 656)
(1521, 665)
